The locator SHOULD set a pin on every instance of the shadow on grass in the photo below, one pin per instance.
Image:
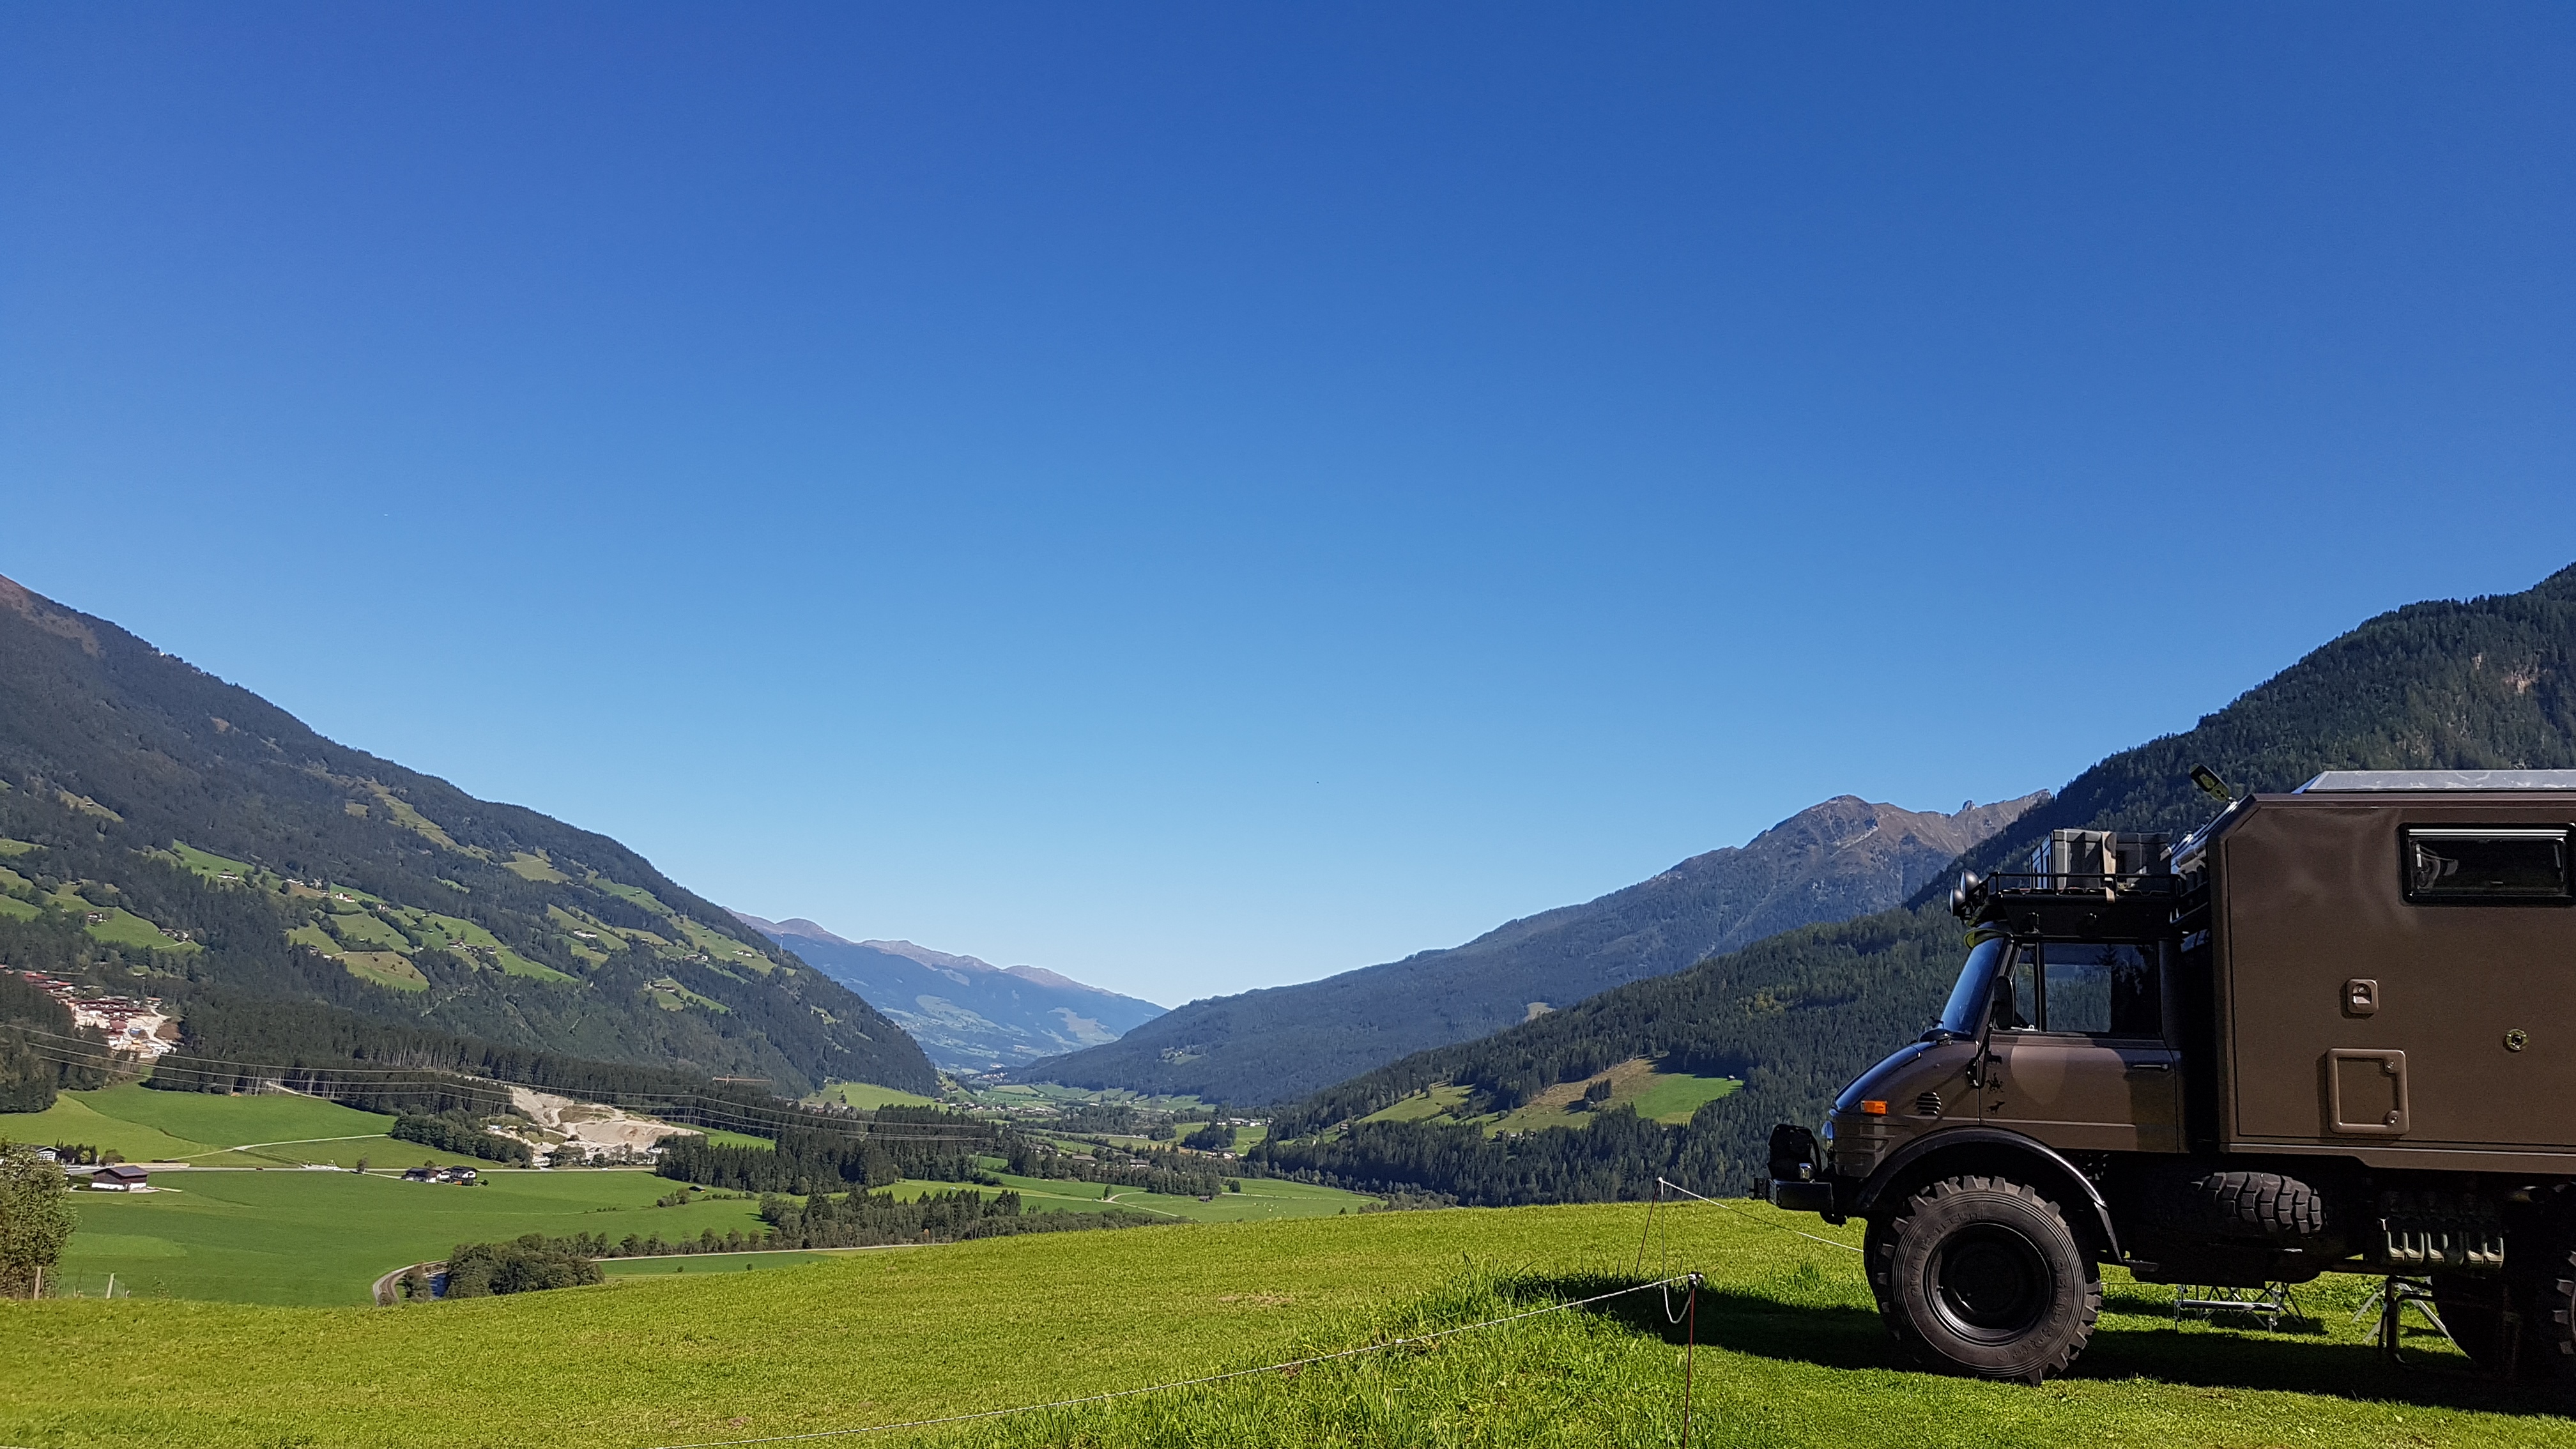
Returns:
(2200, 1357)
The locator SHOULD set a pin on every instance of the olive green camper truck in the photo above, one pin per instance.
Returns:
(2330, 1031)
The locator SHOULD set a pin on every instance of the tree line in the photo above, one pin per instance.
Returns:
(921, 1143)
(41, 1052)
(458, 1132)
(1151, 1169)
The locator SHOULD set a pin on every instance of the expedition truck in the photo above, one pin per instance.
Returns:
(2329, 1031)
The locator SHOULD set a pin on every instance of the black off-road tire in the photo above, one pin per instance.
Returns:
(2548, 1291)
(2264, 1204)
(1983, 1276)
(2473, 1308)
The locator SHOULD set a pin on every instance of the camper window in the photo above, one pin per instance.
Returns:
(2486, 867)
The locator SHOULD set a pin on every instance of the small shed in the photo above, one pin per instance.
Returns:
(119, 1177)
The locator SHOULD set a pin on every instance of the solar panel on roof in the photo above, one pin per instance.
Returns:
(2357, 782)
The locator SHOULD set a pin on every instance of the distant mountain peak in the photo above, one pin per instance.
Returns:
(1044, 977)
(1837, 859)
(796, 926)
(928, 957)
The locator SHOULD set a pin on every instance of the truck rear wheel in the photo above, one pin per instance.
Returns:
(2473, 1310)
(1982, 1275)
(2549, 1323)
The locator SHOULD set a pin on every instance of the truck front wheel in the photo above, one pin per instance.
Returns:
(1983, 1276)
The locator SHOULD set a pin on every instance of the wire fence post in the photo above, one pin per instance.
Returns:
(1690, 1353)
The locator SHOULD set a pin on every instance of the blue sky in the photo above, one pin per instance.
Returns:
(1200, 497)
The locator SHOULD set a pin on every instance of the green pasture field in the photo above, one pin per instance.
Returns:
(868, 1096)
(124, 928)
(1262, 1199)
(1787, 1352)
(720, 1138)
(323, 1237)
(1660, 1096)
(1443, 1100)
(210, 865)
(1033, 1094)
(1673, 1097)
(209, 1130)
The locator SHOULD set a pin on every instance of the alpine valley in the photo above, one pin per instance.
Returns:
(969, 1016)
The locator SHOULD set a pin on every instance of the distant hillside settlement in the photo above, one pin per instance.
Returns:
(135, 1026)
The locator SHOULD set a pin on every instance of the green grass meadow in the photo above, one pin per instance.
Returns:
(1262, 1199)
(323, 1237)
(868, 1096)
(1788, 1353)
(207, 1130)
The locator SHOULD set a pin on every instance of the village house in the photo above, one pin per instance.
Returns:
(440, 1174)
(119, 1177)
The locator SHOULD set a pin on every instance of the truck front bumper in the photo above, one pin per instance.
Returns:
(1802, 1196)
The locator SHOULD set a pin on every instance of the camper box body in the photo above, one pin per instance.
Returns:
(2369, 1006)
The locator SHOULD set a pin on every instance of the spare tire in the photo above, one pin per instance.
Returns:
(2251, 1204)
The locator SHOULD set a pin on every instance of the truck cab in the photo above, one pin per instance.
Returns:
(2324, 1032)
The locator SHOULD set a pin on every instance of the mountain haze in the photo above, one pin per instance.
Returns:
(2489, 683)
(969, 1015)
(164, 831)
(1842, 858)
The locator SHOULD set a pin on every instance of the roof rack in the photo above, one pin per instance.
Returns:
(1981, 897)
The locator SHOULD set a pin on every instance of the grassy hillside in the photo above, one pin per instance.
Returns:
(1788, 1353)
(2490, 683)
(1839, 859)
(170, 832)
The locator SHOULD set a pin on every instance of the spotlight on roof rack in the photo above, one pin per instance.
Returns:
(1967, 895)
(2209, 783)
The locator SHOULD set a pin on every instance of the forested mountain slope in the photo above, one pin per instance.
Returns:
(162, 831)
(1845, 857)
(2484, 684)
(969, 1015)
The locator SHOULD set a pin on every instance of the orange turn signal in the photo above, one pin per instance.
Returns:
(1874, 1108)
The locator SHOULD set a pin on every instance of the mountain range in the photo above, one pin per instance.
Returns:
(969, 1015)
(2489, 683)
(1843, 858)
(165, 832)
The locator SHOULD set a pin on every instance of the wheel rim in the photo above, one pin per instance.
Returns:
(1992, 1285)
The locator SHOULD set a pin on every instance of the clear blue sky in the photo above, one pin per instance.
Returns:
(1209, 496)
